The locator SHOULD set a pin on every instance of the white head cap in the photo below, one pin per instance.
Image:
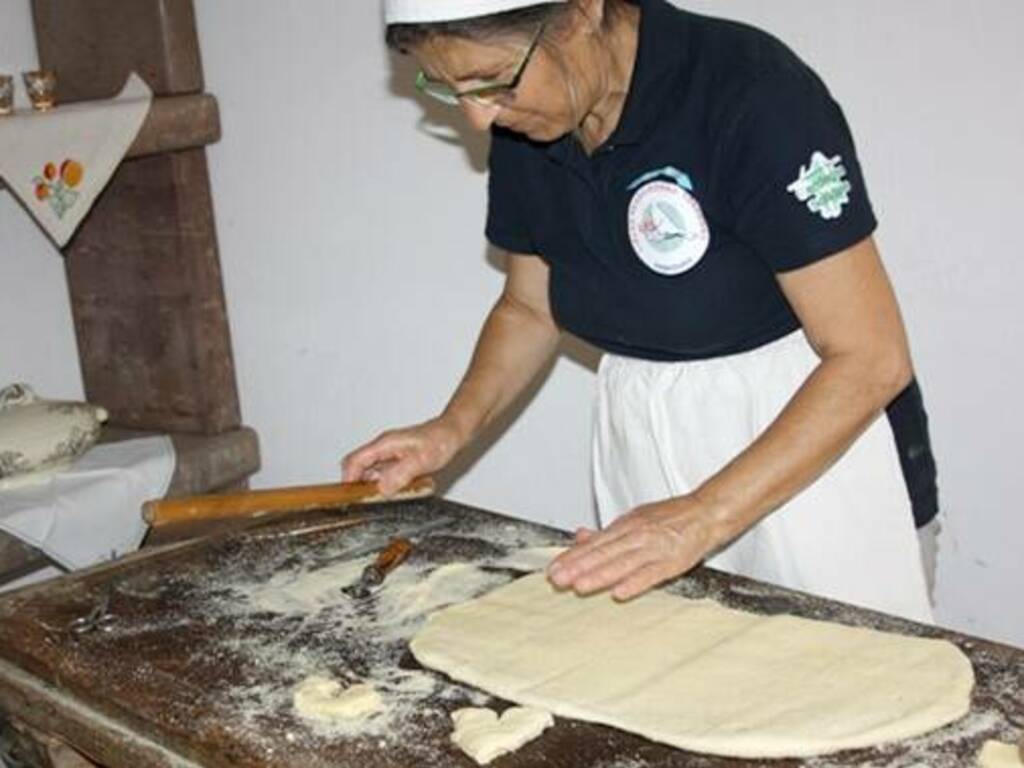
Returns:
(426, 11)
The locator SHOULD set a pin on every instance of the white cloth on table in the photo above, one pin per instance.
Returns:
(92, 510)
(57, 162)
(662, 429)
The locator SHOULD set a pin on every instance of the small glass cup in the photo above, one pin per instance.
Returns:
(6, 94)
(42, 88)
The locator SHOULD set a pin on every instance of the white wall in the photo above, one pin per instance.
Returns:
(37, 341)
(357, 274)
(356, 269)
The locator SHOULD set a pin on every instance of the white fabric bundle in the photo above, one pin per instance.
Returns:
(425, 11)
(81, 515)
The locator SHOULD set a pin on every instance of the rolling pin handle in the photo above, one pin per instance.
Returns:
(393, 555)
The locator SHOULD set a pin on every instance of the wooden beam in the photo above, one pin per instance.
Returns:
(178, 122)
(148, 303)
(94, 44)
(175, 123)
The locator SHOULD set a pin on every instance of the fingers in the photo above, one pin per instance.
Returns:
(583, 535)
(641, 580)
(587, 540)
(398, 475)
(613, 570)
(398, 457)
(361, 464)
(628, 563)
(570, 566)
(639, 551)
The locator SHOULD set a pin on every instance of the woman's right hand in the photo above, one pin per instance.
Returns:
(397, 457)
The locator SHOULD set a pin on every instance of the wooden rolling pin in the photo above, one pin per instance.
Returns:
(277, 500)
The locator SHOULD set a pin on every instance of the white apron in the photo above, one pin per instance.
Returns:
(661, 429)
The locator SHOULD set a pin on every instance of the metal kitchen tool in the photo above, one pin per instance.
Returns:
(392, 556)
(99, 618)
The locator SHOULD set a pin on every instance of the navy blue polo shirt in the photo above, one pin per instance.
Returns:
(665, 243)
(731, 163)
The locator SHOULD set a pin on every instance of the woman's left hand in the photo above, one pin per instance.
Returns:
(644, 548)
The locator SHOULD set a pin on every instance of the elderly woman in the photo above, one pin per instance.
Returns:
(684, 193)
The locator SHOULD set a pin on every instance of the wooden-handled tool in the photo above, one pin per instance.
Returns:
(392, 556)
(278, 500)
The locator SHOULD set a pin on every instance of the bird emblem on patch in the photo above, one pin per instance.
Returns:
(823, 186)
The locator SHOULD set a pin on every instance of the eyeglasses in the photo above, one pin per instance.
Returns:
(485, 94)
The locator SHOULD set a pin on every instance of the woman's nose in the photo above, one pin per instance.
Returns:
(480, 116)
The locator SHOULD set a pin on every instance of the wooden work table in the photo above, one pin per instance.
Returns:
(199, 672)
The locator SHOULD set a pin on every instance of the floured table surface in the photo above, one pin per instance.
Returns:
(213, 637)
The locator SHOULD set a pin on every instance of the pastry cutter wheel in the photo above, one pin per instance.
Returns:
(388, 559)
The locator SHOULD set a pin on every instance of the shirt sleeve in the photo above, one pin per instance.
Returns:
(507, 227)
(793, 179)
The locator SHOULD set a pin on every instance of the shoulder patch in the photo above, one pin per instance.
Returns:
(823, 186)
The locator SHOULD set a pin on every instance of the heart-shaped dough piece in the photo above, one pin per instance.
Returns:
(482, 735)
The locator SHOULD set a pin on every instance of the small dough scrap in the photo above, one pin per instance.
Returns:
(482, 735)
(321, 698)
(995, 754)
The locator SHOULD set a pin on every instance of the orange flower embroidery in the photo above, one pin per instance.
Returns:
(71, 172)
(59, 190)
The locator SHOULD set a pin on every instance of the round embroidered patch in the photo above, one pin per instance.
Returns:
(667, 228)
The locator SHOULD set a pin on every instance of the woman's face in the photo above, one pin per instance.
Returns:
(541, 106)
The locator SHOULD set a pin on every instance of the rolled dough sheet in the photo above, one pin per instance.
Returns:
(697, 675)
(321, 698)
(995, 754)
(482, 735)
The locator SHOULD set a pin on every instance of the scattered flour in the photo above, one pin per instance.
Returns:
(345, 644)
(302, 592)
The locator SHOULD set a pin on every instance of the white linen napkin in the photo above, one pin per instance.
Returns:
(58, 162)
(91, 511)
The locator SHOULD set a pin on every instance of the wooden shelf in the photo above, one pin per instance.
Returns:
(178, 122)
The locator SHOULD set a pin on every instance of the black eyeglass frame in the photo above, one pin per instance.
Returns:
(486, 94)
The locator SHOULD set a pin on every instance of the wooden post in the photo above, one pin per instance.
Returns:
(143, 270)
